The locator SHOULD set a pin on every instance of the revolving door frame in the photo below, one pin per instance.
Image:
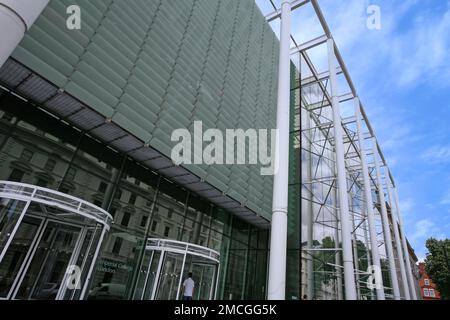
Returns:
(183, 248)
(28, 194)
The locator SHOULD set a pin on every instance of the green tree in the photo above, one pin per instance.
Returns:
(437, 265)
(324, 262)
(362, 255)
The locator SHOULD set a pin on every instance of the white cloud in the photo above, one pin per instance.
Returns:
(420, 55)
(406, 205)
(437, 154)
(424, 229)
(407, 55)
(445, 199)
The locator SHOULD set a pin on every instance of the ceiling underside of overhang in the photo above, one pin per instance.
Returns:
(20, 80)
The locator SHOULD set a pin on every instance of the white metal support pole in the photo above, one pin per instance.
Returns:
(385, 223)
(368, 253)
(356, 258)
(412, 290)
(368, 197)
(338, 262)
(347, 254)
(398, 244)
(16, 17)
(278, 235)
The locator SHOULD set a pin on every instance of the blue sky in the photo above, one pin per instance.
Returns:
(402, 74)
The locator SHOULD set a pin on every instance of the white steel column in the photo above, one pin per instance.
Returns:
(278, 235)
(412, 287)
(347, 254)
(369, 258)
(16, 17)
(398, 244)
(385, 222)
(356, 258)
(338, 269)
(368, 198)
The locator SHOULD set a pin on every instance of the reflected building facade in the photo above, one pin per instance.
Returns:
(37, 149)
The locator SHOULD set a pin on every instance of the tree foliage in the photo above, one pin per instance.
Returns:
(324, 261)
(437, 265)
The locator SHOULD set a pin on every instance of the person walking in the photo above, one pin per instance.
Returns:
(188, 286)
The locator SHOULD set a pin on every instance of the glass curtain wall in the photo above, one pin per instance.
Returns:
(38, 149)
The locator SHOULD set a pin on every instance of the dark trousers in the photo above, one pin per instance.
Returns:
(187, 298)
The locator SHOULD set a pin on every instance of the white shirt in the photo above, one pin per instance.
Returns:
(188, 287)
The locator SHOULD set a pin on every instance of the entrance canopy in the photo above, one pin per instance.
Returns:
(71, 207)
(49, 242)
(182, 247)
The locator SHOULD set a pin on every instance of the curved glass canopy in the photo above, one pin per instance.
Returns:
(49, 242)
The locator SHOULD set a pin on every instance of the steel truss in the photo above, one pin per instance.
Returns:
(349, 226)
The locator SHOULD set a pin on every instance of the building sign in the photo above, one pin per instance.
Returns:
(111, 266)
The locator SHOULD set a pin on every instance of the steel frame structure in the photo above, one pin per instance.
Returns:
(343, 182)
(343, 188)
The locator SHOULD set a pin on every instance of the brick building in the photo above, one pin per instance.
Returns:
(427, 287)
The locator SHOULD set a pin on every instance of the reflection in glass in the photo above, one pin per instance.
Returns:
(65, 160)
(16, 253)
(170, 276)
(50, 261)
(10, 212)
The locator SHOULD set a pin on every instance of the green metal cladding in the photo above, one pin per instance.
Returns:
(154, 66)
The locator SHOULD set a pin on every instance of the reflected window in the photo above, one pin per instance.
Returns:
(117, 245)
(102, 187)
(71, 174)
(125, 219)
(50, 165)
(166, 231)
(26, 155)
(64, 190)
(7, 116)
(144, 221)
(42, 183)
(98, 203)
(154, 226)
(16, 175)
(113, 211)
(132, 199)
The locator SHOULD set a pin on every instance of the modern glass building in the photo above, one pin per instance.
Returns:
(91, 204)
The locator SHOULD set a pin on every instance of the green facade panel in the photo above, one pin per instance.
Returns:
(156, 66)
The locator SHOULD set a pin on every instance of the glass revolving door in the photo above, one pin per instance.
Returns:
(49, 242)
(169, 263)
